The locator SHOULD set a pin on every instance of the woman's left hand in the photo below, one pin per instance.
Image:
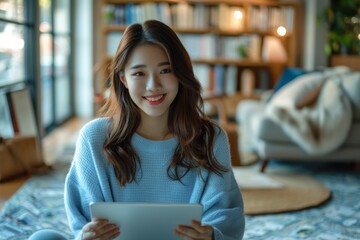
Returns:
(195, 232)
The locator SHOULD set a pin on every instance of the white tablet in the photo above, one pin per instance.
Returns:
(139, 221)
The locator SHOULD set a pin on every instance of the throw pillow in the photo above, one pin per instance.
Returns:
(287, 76)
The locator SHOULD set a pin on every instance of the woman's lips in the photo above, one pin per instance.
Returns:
(155, 99)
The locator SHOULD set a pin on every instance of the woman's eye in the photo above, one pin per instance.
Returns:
(138, 74)
(167, 70)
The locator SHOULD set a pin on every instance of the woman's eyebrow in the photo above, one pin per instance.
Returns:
(143, 65)
(138, 66)
(163, 63)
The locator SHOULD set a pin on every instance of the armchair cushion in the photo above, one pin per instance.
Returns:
(313, 111)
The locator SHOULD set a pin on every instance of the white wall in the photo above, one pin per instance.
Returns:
(83, 58)
(314, 35)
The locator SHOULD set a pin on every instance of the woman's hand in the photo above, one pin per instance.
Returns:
(195, 232)
(100, 229)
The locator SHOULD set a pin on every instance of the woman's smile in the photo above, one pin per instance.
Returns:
(155, 99)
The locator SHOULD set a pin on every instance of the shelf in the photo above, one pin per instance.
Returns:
(240, 63)
(224, 61)
(203, 27)
(206, 2)
(120, 28)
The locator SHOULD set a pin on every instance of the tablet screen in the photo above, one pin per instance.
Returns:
(139, 221)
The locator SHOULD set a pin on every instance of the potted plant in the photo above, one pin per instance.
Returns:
(343, 19)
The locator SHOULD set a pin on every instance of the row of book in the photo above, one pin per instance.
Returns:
(211, 46)
(200, 16)
(269, 18)
(228, 80)
(208, 46)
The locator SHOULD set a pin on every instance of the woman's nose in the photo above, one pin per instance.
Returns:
(153, 83)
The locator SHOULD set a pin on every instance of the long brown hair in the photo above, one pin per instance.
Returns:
(194, 131)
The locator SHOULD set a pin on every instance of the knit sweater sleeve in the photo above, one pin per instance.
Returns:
(85, 180)
(221, 198)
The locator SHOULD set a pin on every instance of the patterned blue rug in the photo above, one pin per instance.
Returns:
(39, 204)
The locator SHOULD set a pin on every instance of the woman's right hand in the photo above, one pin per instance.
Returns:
(100, 229)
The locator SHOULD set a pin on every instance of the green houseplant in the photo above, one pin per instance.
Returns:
(343, 19)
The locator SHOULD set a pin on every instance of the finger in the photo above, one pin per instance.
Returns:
(181, 234)
(109, 231)
(95, 224)
(100, 229)
(187, 231)
(89, 230)
(195, 231)
(205, 229)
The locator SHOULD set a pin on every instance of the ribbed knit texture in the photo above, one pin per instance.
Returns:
(92, 179)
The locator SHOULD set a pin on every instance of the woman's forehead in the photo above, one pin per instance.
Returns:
(146, 54)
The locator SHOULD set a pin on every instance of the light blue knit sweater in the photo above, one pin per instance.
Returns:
(92, 179)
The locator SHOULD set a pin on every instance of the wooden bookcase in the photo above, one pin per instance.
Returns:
(228, 45)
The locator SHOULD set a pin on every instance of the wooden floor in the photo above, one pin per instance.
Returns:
(52, 147)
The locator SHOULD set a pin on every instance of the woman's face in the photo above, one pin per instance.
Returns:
(150, 80)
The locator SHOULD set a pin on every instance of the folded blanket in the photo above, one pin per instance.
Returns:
(314, 110)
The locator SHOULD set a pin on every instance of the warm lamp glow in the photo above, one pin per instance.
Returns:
(281, 31)
(359, 36)
(273, 50)
(238, 14)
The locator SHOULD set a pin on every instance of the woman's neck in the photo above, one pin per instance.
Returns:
(154, 128)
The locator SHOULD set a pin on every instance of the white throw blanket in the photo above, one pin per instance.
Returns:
(314, 110)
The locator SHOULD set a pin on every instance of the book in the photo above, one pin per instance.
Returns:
(219, 78)
(202, 74)
(164, 11)
(247, 82)
(231, 81)
(130, 13)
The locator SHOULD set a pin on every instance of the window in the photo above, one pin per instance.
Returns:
(25, 55)
(55, 62)
(18, 61)
(13, 25)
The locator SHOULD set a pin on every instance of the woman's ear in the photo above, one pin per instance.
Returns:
(123, 79)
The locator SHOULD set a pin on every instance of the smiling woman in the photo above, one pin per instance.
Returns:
(153, 143)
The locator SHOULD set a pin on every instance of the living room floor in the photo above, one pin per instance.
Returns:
(53, 144)
(335, 219)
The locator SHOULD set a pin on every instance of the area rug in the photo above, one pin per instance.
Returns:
(39, 204)
(276, 192)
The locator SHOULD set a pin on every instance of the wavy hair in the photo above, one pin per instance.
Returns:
(187, 121)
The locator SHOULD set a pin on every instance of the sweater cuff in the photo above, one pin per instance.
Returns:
(217, 234)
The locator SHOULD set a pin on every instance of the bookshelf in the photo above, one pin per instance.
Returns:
(224, 38)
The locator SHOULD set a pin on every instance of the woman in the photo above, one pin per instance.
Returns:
(153, 143)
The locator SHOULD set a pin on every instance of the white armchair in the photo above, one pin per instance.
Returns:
(310, 118)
